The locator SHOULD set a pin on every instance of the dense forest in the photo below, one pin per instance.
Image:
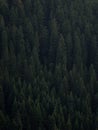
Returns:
(48, 64)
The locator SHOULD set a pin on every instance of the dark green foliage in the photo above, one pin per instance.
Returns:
(1, 98)
(48, 65)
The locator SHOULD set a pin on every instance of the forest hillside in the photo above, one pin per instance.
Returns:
(48, 64)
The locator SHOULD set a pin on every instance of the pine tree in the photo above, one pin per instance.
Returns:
(69, 125)
(92, 79)
(69, 50)
(17, 123)
(53, 41)
(14, 15)
(2, 121)
(1, 98)
(77, 51)
(12, 57)
(5, 50)
(61, 52)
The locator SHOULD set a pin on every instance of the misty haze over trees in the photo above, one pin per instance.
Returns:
(48, 64)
